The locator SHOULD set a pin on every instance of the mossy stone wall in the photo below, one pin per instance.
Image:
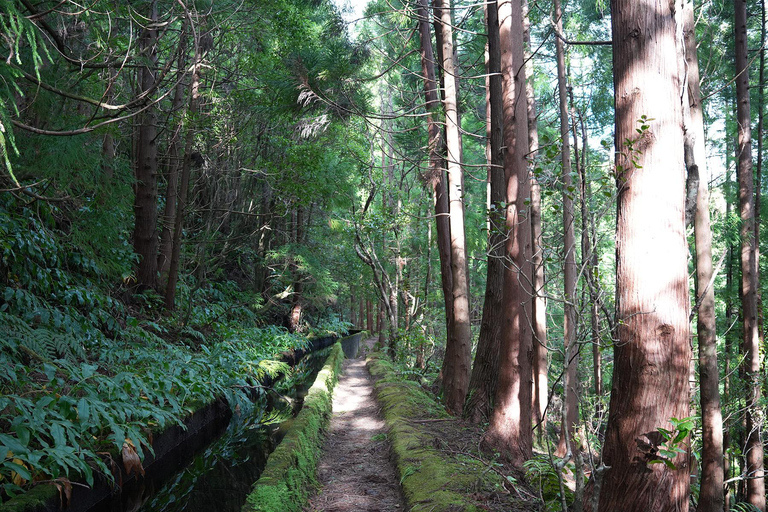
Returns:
(291, 472)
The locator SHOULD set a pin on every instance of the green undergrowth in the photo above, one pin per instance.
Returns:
(91, 370)
(290, 474)
(431, 479)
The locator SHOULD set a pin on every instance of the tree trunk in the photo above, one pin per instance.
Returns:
(145, 201)
(711, 490)
(753, 451)
(173, 164)
(589, 261)
(186, 170)
(571, 349)
(539, 304)
(652, 353)
(485, 372)
(458, 352)
(731, 335)
(509, 431)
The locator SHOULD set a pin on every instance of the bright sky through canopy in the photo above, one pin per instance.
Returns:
(351, 10)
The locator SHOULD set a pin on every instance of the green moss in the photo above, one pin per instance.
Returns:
(36, 499)
(431, 480)
(290, 475)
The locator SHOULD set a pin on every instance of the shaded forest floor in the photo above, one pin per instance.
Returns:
(357, 471)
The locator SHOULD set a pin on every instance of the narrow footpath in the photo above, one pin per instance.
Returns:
(355, 471)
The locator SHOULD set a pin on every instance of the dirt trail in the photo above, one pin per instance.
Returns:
(355, 471)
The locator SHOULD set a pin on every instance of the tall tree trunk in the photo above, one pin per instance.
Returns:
(652, 353)
(589, 261)
(509, 431)
(437, 155)
(485, 372)
(174, 163)
(571, 349)
(145, 201)
(539, 305)
(730, 335)
(711, 490)
(436, 172)
(753, 451)
(108, 142)
(186, 170)
(458, 352)
(369, 316)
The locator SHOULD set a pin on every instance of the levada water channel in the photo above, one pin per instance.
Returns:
(215, 468)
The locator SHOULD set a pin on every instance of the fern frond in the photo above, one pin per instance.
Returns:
(745, 507)
(271, 368)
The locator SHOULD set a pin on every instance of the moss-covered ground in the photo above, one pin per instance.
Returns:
(438, 471)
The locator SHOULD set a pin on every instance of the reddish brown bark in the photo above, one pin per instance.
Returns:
(652, 352)
(509, 431)
(145, 201)
(570, 416)
(485, 371)
(436, 172)
(458, 351)
(753, 450)
(711, 498)
(539, 305)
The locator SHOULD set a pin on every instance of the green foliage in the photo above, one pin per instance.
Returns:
(541, 472)
(80, 376)
(744, 507)
(672, 441)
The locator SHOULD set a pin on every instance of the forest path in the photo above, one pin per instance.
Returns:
(355, 471)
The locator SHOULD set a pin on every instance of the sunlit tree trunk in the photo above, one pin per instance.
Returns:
(753, 450)
(509, 431)
(436, 172)
(571, 350)
(711, 490)
(540, 359)
(145, 201)
(652, 353)
(485, 370)
(458, 352)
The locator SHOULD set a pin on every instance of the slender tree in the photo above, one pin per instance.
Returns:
(711, 490)
(570, 349)
(186, 169)
(539, 304)
(753, 450)
(436, 173)
(652, 352)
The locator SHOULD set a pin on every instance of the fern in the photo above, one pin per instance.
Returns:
(745, 507)
(42, 343)
(540, 470)
(193, 335)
